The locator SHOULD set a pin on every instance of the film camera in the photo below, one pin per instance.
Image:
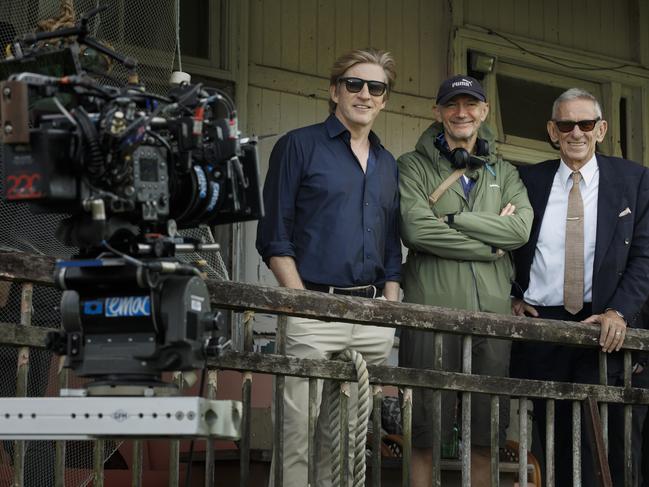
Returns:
(130, 168)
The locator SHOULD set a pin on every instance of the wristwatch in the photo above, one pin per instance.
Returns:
(617, 313)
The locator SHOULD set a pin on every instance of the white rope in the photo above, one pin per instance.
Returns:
(363, 412)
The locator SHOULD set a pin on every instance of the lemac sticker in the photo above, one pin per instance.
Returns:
(128, 306)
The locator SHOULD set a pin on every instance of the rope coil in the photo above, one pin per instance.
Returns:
(333, 390)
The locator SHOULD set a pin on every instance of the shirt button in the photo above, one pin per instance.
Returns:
(626, 241)
(367, 204)
(369, 229)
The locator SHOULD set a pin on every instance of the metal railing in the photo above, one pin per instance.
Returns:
(285, 302)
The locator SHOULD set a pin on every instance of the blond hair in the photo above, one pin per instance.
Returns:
(359, 56)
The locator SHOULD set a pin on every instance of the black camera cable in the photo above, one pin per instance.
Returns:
(177, 268)
(223, 98)
(90, 138)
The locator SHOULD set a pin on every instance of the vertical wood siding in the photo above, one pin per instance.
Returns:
(597, 26)
(305, 36)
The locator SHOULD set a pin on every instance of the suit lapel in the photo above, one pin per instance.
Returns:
(542, 184)
(608, 203)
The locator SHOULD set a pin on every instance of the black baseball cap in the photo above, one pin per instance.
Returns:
(460, 85)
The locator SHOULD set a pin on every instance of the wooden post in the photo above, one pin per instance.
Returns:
(595, 437)
(407, 435)
(344, 433)
(549, 443)
(377, 404)
(628, 454)
(22, 378)
(576, 444)
(212, 384)
(467, 347)
(246, 397)
(136, 469)
(98, 454)
(438, 342)
(313, 418)
(278, 433)
(59, 462)
(174, 447)
(603, 407)
(522, 442)
(495, 440)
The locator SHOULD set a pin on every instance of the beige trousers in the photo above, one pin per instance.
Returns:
(306, 338)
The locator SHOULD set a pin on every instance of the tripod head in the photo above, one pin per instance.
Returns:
(126, 320)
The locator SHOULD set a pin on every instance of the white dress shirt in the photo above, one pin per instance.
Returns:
(547, 272)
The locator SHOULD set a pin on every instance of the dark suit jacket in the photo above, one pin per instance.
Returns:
(621, 264)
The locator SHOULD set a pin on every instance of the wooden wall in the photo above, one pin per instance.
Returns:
(597, 26)
(294, 42)
(305, 36)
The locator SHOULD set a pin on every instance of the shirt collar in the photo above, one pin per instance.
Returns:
(587, 171)
(335, 128)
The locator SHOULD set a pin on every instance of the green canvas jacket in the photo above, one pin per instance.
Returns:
(459, 265)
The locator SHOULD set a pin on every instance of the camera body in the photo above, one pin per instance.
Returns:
(123, 161)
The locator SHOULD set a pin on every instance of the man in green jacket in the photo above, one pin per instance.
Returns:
(462, 210)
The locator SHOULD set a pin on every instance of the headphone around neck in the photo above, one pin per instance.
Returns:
(461, 158)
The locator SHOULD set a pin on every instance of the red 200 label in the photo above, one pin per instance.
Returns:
(22, 186)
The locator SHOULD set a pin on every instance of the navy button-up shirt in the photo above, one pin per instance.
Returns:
(338, 223)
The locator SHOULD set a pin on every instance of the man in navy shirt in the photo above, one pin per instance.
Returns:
(331, 225)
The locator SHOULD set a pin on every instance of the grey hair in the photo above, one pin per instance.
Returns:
(575, 94)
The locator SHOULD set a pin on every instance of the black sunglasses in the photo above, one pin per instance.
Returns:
(566, 126)
(355, 85)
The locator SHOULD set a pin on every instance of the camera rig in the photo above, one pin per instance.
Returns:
(130, 168)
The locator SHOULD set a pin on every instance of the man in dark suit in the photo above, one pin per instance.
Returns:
(587, 260)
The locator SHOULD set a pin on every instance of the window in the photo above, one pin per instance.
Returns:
(522, 87)
(524, 104)
(194, 28)
(631, 134)
(205, 37)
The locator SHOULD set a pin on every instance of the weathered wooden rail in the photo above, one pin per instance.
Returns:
(284, 302)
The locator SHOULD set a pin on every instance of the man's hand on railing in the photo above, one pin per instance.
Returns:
(521, 308)
(612, 329)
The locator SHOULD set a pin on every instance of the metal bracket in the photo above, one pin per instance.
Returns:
(46, 418)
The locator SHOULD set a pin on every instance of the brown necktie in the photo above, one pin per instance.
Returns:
(573, 281)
